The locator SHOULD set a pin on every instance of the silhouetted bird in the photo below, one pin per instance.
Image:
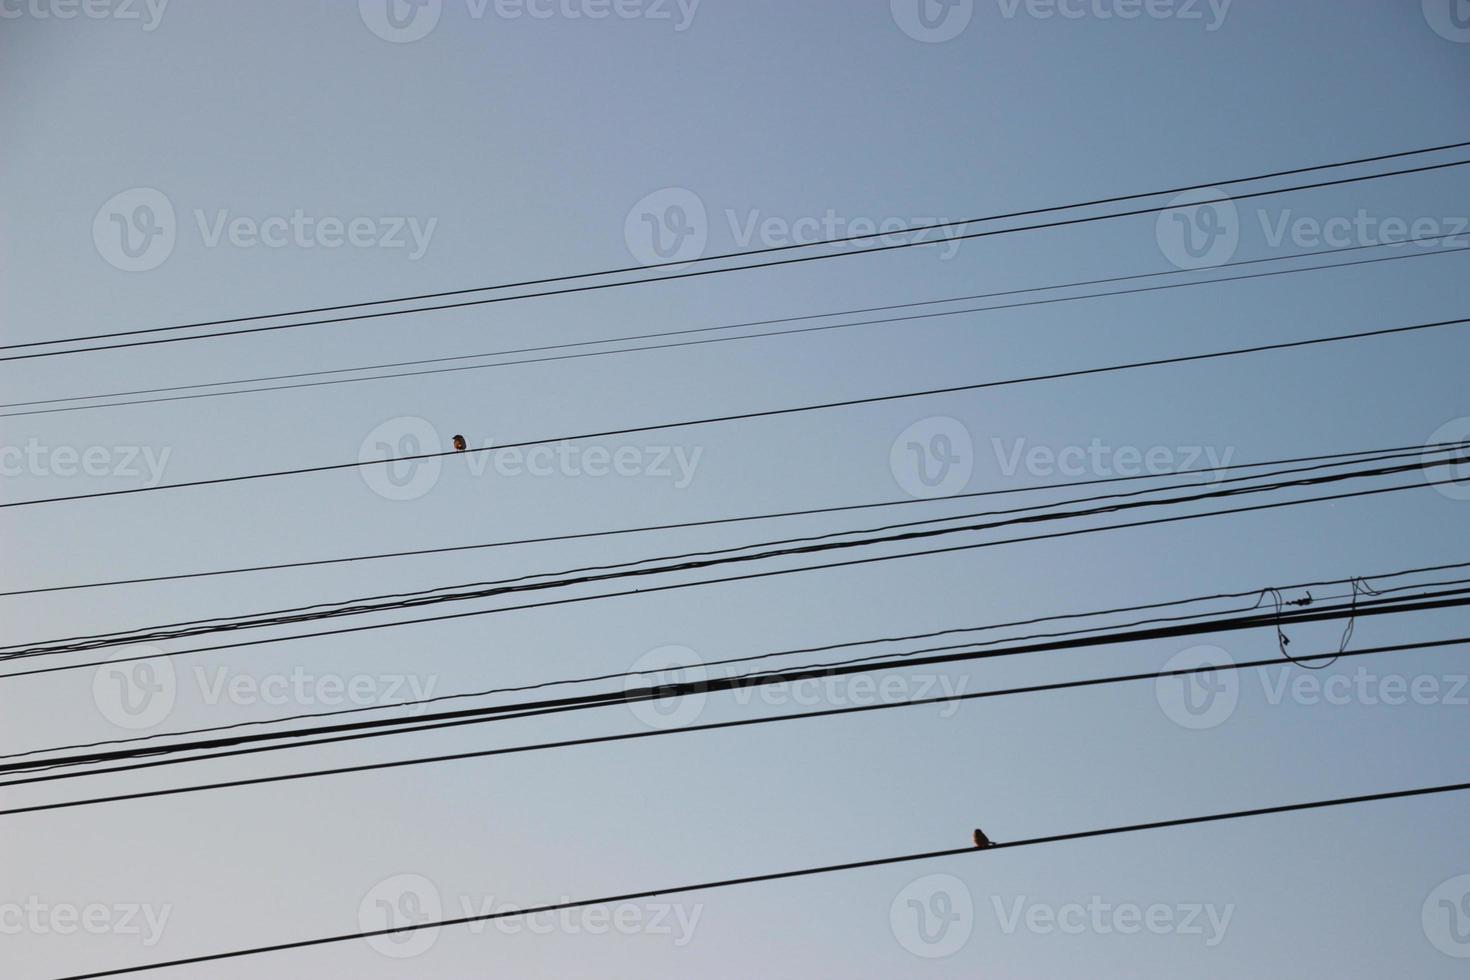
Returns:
(981, 840)
(459, 444)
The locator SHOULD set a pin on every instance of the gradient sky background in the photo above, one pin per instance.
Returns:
(528, 141)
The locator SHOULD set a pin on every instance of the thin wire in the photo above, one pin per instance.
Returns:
(746, 416)
(1428, 448)
(782, 248)
(785, 875)
(754, 336)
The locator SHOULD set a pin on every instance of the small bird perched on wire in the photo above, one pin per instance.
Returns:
(459, 444)
(981, 841)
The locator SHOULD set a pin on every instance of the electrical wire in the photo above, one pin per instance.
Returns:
(231, 747)
(1094, 834)
(765, 250)
(747, 416)
(1427, 448)
(698, 330)
(749, 576)
(810, 544)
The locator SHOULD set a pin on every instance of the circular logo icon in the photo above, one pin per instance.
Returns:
(934, 457)
(405, 904)
(1449, 18)
(1200, 230)
(656, 668)
(1204, 698)
(1453, 431)
(933, 916)
(135, 229)
(932, 21)
(135, 693)
(667, 226)
(1447, 917)
(400, 21)
(400, 439)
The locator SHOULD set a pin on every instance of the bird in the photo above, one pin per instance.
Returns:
(459, 444)
(981, 841)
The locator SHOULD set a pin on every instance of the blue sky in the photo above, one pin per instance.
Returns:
(521, 146)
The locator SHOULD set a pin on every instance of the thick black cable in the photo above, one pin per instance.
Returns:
(800, 245)
(655, 733)
(754, 336)
(729, 661)
(749, 576)
(747, 416)
(221, 748)
(809, 544)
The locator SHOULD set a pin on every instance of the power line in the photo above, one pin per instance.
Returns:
(1427, 448)
(746, 416)
(765, 250)
(356, 731)
(749, 658)
(810, 544)
(749, 576)
(717, 340)
(799, 873)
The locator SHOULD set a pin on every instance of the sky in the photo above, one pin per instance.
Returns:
(171, 163)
